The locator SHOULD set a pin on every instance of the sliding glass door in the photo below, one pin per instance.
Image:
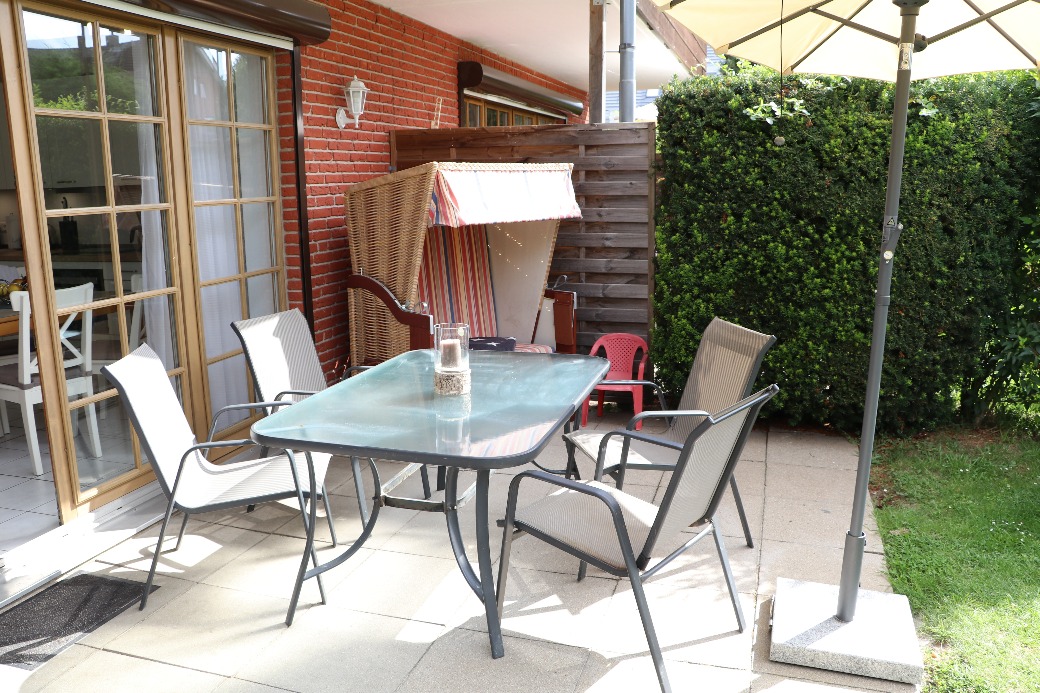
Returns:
(152, 216)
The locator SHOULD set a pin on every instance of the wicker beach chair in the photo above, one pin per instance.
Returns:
(465, 242)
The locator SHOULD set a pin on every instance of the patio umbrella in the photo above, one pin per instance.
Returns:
(877, 39)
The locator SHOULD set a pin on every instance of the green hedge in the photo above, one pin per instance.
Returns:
(784, 239)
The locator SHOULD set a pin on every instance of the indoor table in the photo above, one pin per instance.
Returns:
(390, 412)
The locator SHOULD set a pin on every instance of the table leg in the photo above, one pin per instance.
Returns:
(309, 551)
(484, 585)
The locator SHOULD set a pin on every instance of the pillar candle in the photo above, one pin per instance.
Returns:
(451, 353)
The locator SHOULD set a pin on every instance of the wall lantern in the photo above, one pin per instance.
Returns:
(356, 94)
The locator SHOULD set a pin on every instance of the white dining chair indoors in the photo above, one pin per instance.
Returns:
(20, 381)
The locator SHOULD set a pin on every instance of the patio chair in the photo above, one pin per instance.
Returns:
(724, 370)
(621, 349)
(192, 483)
(285, 367)
(606, 527)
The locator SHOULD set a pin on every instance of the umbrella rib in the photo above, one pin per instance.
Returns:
(805, 56)
(1000, 30)
(860, 27)
(983, 17)
(768, 27)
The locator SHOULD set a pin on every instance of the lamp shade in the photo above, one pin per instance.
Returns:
(356, 94)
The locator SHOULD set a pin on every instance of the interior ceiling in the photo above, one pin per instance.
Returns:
(549, 36)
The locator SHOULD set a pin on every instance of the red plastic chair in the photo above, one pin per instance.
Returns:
(621, 349)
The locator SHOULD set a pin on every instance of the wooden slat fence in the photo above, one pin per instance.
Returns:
(607, 255)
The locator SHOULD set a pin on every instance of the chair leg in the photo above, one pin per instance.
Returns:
(328, 514)
(31, 437)
(585, 411)
(648, 626)
(180, 534)
(359, 488)
(5, 423)
(637, 405)
(92, 429)
(599, 403)
(424, 474)
(740, 512)
(155, 556)
(720, 546)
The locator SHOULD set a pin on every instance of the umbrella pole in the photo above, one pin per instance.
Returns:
(855, 540)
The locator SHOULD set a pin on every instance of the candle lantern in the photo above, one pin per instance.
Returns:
(451, 358)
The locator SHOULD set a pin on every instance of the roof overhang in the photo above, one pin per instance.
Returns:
(552, 37)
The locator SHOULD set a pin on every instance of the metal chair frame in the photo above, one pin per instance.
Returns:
(636, 567)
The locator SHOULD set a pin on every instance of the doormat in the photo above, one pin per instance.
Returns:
(39, 628)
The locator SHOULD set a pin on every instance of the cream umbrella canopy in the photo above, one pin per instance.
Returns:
(879, 39)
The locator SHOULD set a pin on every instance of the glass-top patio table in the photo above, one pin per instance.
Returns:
(518, 401)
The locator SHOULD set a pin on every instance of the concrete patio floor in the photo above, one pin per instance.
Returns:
(401, 618)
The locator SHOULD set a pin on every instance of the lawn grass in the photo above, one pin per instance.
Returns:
(959, 514)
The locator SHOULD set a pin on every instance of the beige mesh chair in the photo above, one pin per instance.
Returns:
(192, 483)
(724, 370)
(285, 367)
(605, 526)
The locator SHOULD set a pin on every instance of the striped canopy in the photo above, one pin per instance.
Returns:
(465, 194)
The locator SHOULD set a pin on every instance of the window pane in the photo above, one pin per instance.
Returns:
(249, 73)
(110, 420)
(128, 59)
(143, 244)
(151, 321)
(472, 115)
(253, 166)
(205, 82)
(136, 162)
(221, 306)
(262, 295)
(71, 160)
(217, 242)
(61, 62)
(227, 385)
(81, 252)
(211, 175)
(258, 230)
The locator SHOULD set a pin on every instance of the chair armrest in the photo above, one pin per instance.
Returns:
(580, 487)
(629, 435)
(286, 393)
(675, 414)
(648, 383)
(249, 405)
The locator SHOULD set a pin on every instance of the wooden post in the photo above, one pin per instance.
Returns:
(597, 72)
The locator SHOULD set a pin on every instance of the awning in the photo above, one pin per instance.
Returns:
(469, 194)
(474, 76)
(304, 22)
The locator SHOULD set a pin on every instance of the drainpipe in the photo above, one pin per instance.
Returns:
(627, 86)
(301, 184)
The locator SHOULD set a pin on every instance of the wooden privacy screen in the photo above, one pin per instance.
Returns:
(607, 254)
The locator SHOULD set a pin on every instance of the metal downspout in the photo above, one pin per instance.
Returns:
(627, 85)
(301, 184)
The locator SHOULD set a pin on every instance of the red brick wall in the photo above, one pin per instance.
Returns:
(407, 66)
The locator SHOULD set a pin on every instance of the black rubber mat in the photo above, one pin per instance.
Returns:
(40, 627)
